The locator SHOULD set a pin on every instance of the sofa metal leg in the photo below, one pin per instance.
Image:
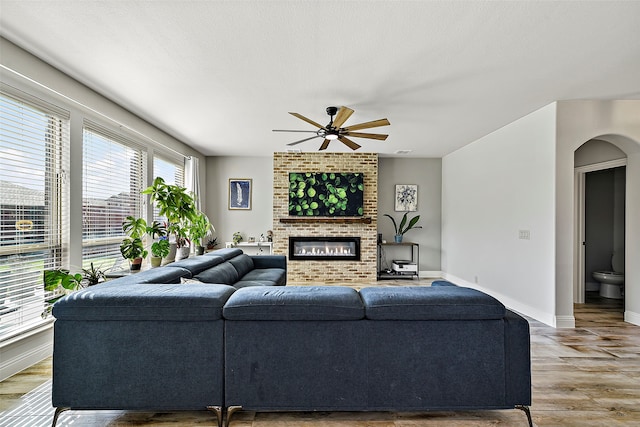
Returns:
(230, 411)
(59, 410)
(218, 411)
(527, 412)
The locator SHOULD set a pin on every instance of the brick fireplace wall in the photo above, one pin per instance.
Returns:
(300, 272)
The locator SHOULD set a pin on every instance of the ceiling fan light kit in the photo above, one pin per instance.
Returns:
(334, 129)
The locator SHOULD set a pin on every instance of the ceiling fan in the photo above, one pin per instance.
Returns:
(334, 131)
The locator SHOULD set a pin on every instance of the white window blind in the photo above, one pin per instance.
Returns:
(113, 177)
(172, 171)
(34, 155)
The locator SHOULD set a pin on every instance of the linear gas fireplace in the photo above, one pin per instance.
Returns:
(324, 248)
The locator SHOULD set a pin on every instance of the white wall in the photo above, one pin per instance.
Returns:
(427, 174)
(617, 122)
(492, 189)
(248, 222)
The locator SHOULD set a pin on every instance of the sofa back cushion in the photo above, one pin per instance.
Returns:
(294, 303)
(242, 263)
(222, 273)
(430, 303)
(145, 302)
(196, 264)
(225, 253)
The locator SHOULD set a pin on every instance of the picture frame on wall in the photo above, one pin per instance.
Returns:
(240, 193)
(406, 198)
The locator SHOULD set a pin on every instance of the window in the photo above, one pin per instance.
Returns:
(112, 179)
(34, 147)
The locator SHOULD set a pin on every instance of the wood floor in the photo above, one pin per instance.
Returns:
(587, 376)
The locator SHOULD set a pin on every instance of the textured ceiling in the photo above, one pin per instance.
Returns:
(220, 75)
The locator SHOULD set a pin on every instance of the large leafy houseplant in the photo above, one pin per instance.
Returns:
(198, 229)
(404, 226)
(176, 205)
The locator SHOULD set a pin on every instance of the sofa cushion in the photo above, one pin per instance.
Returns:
(225, 253)
(144, 302)
(294, 303)
(430, 303)
(246, 283)
(196, 264)
(221, 273)
(276, 275)
(153, 275)
(243, 264)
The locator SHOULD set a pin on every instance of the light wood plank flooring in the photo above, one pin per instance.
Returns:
(587, 376)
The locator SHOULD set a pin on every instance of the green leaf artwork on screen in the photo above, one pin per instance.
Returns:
(326, 194)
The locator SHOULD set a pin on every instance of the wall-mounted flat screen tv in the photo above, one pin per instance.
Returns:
(326, 194)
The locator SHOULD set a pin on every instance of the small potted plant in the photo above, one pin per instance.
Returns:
(404, 226)
(133, 250)
(237, 238)
(62, 282)
(212, 243)
(159, 250)
(132, 247)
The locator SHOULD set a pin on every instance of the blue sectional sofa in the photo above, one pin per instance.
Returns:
(150, 342)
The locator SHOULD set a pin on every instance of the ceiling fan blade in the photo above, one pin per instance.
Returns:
(289, 130)
(301, 117)
(303, 140)
(373, 124)
(349, 143)
(367, 135)
(343, 114)
(324, 145)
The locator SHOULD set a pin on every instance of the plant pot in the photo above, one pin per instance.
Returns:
(172, 254)
(135, 264)
(156, 261)
(398, 238)
(199, 250)
(182, 253)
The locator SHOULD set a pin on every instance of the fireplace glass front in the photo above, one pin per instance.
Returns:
(324, 248)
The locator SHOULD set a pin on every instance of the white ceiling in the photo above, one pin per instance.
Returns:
(220, 75)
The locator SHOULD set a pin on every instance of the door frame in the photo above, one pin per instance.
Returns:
(579, 179)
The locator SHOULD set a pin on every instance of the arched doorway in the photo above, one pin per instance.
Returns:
(600, 180)
(628, 147)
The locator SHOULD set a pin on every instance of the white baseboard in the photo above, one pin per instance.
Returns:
(23, 353)
(430, 274)
(631, 317)
(565, 322)
(517, 306)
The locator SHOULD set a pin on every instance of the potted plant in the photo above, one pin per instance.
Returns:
(133, 250)
(404, 226)
(212, 243)
(177, 206)
(159, 250)
(93, 275)
(198, 229)
(62, 282)
(132, 247)
(237, 238)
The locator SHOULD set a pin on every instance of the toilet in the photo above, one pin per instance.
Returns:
(612, 282)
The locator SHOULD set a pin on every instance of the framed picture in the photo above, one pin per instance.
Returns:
(406, 197)
(240, 193)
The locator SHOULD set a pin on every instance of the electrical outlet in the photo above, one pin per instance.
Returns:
(524, 235)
